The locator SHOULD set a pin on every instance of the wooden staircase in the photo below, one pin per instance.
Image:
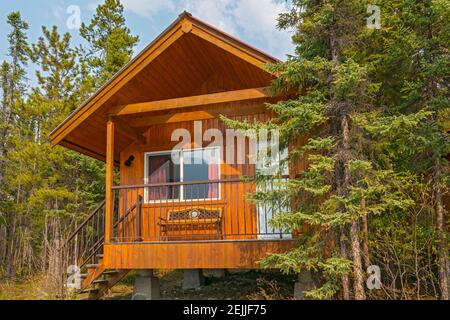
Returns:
(98, 279)
(85, 248)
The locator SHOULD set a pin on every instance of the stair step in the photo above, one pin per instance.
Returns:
(90, 290)
(100, 255)
(110, 272)
(92, 266)
(100, 281)
(83, 275)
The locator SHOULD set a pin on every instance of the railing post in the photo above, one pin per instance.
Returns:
(109, 197)
(139, 218)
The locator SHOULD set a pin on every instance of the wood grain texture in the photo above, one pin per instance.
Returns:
(205, 255)
(240, 215)
(109, 197)
(200, 100)
(189, 58)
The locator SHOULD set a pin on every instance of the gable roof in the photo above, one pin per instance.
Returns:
(186, 41)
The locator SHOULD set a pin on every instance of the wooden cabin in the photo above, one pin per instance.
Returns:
(166, 215)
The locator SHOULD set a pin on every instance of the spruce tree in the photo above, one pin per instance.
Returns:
(110, 42)
(341, 185)
(12, 79)
(57, 76)
(413, 127)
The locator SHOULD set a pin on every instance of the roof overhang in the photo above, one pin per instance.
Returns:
(175, 65)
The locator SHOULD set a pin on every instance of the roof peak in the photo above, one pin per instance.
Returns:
(185, 14)
(204, 31)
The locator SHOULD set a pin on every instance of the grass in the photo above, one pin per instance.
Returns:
(29, 288)
(244, 285)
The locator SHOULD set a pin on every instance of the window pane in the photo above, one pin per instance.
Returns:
(161, 170)
(199, 168)
(270, 164)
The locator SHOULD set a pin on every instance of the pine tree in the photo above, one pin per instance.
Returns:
(335, 78)
(110, 41)
(48, 186)
(43, 185)
(57, 77)
(413, 128)
(12, 79)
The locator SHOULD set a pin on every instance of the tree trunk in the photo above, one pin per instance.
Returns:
(10, 229)
(442, 243)
(365, 232)
(345, 280)
(357, 266)
(354, 226)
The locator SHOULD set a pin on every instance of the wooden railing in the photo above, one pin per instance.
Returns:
(86, 241)
(214, 210)
(218, 210)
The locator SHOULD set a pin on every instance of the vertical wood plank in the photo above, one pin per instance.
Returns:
(109, 180)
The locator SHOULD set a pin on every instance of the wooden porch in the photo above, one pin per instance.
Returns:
(226, 232)
(192, 255)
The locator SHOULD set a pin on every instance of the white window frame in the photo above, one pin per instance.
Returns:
(277, 159)
(265, 214)
(181, 191)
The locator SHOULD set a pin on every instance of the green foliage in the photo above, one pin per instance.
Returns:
(110, 41)
(372, 113)
(374, 107)
(42, 183)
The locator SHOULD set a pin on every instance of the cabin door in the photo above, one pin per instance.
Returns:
(264, 212)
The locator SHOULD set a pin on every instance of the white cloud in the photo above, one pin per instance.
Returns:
(218, 13)
(250, 20)
(147, 8)
(258, 20)
(255, 20)
(92, 6)
(57, 11)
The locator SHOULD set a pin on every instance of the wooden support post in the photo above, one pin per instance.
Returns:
(109, 180)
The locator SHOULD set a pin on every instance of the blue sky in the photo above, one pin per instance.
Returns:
(252, 21)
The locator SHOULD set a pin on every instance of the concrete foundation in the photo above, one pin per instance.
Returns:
(193, 279)
(214, 273)
(305, 283)
(146, 286)
(238, 271)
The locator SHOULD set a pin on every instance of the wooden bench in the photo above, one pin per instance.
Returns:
(198, 223)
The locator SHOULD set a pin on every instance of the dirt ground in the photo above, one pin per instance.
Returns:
(243, 285)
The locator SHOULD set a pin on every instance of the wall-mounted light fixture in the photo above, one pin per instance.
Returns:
(129, 161)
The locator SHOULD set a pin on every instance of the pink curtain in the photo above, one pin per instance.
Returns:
(213, 174)
(156, 177)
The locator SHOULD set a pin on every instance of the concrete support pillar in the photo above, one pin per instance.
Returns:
(193, 279)
(146, 286)
(214, 273)
(305, 283)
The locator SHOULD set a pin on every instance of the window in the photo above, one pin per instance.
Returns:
(160, 170)
(271, 165)
(191, 165)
